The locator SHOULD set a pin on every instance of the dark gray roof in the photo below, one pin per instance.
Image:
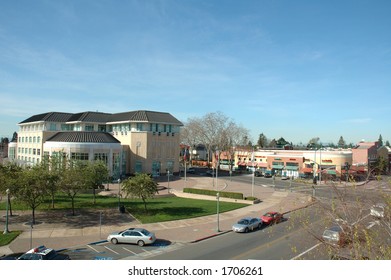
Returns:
(98, 117)
(145, 116)
(49, 117)
(83, 137)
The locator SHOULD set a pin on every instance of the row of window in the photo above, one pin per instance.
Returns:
(29, 151)
(152, 127)
(32, 160)
(30, 139)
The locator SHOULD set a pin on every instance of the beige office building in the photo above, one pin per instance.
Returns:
(129, 142)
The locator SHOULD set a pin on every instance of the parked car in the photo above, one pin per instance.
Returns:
(13, 256)
(377, 210)
(333, 235)
(139, 236)
(43, 253)
(258, 173)
(191, 170)
(247, 224)
(342, 235)
(272, 217)
(268, 175)
(211, 172)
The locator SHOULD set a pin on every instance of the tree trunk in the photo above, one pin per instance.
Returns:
(33, 214)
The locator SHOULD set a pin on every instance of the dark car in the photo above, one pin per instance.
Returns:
(258, 173)
(43, 253)
(191, 170)
(13, 256)
(268, 175)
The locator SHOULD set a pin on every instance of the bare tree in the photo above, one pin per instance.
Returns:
(215, 130)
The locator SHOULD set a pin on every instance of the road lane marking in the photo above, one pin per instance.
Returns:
(305, 252)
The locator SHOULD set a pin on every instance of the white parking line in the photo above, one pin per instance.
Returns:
(111, 250)
(305, 252)
(129, 251)
(92, 248)
(148, 252)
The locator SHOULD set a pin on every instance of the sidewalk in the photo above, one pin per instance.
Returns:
(61, 231)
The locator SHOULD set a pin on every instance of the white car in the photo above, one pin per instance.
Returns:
(137, 236)
(377, 210)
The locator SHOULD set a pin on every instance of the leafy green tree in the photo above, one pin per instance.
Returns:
(388, 143)
(141, 186)
(262, 141)
(9, 173)
(73, 180)
(96, 174)
(380, 140)
(32, 187)
(341, 142)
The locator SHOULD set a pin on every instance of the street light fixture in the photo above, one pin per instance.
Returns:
(6, 215)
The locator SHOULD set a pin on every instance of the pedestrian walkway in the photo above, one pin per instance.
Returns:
(60, 230)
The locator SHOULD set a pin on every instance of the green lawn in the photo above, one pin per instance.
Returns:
(159, 209)
(5, 239)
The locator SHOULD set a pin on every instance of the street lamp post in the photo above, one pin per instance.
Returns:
(119, 194)
(218, 211)
(168, 181)
(6, 215)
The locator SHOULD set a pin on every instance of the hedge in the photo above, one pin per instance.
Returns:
(233, 195)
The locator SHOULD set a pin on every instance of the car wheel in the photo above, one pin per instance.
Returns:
(246, 230)
(140, 243)
(114, 241)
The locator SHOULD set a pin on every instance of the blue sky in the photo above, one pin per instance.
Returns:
(294, 69)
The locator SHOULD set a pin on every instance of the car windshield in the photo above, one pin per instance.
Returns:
(268, 215)
(243, 222)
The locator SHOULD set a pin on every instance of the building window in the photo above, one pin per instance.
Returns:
(139, 127)
(89, 128)
(79, 156)
(101, 157)
(34, 151)
(52, 127)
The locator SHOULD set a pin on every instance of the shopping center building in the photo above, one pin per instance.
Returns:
(129, 142)
(294, 163)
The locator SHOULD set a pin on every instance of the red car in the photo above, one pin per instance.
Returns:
(272, 218)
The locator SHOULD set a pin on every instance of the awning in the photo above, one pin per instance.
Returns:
(262, 164)
(292, 168)
(277, 166)
(251, 164)
(307, 170)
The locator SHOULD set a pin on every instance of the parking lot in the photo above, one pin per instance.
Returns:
(106, 251)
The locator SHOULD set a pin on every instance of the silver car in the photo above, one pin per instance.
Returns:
(377, 210)
(247, 224)
(137, 236)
